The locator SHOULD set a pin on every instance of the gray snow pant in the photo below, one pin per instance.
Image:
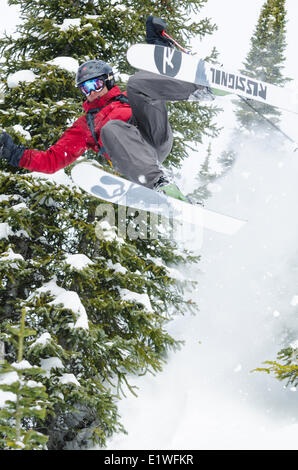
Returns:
(138, 148)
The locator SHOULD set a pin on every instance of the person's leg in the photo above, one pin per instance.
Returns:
(147, 95)
(138, 149)
(131, 154)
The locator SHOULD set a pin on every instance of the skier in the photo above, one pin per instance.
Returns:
(130, 129)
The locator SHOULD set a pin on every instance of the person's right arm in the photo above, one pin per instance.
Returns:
(71, 145)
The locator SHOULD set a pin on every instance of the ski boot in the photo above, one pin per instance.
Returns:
(163, 185)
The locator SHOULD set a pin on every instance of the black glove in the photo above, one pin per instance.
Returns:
(154, 28)
(9, 150)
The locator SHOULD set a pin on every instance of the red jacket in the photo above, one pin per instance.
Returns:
(77, 138)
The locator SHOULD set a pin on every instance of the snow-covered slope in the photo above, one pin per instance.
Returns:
(207, 397)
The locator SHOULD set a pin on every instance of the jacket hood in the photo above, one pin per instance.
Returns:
(99, 102)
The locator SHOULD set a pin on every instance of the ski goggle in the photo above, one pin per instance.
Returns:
(96, 84)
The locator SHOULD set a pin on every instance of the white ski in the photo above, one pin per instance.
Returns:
(176, 64)
(108, 187)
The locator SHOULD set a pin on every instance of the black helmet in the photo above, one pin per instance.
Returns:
(94, 69)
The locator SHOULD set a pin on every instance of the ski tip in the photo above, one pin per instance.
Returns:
(222, 223)
(131, 54)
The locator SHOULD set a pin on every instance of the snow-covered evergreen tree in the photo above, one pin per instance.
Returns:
(285, 367)
(21, 398)
(205, 176)
(265, 62)
(88, 29)
(95, 304)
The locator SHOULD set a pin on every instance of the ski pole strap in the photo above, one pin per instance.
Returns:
(166, 35)
(90, 121)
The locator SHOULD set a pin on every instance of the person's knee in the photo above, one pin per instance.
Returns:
(110, 130)
(137, 87)
(107, 129)
(132, 81)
